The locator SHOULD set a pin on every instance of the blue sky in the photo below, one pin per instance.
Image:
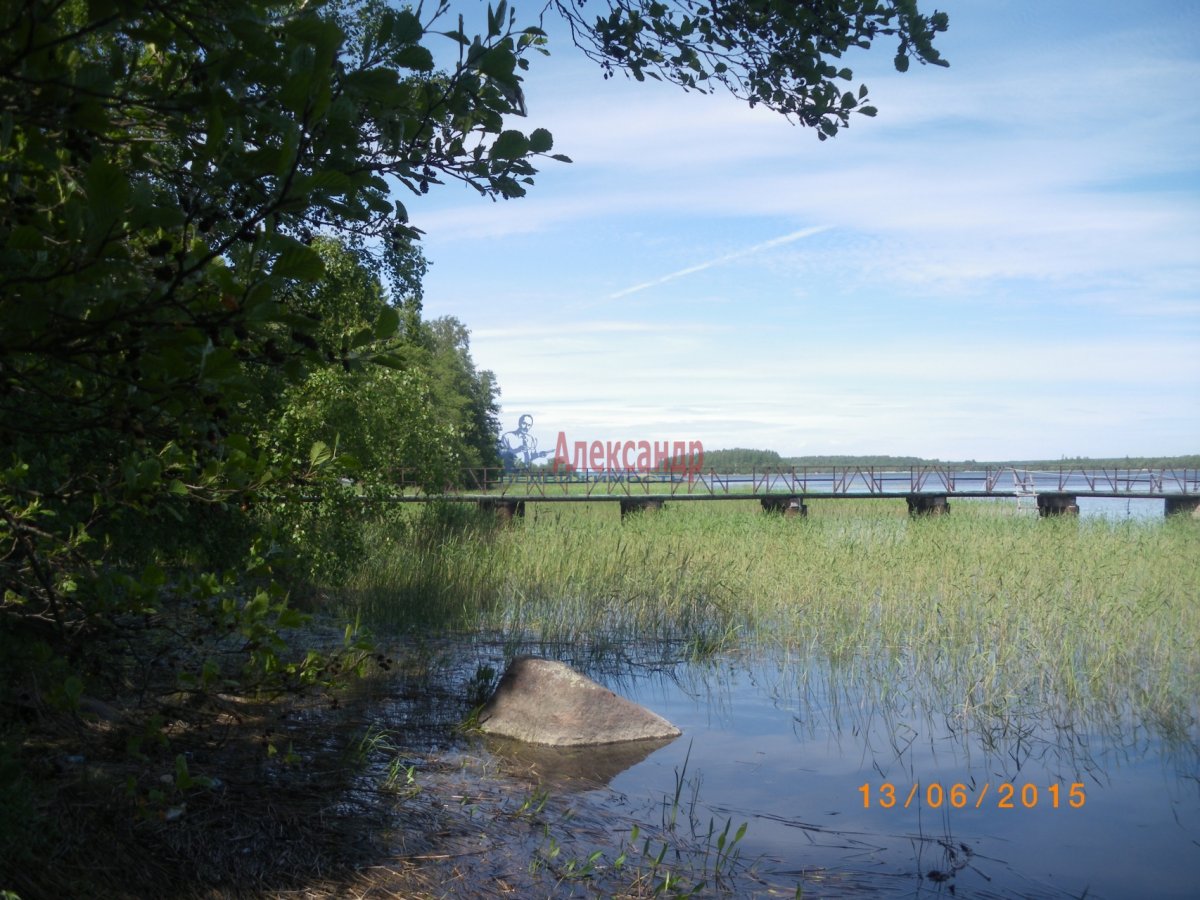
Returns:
(1005, 263)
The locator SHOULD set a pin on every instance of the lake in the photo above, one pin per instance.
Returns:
(1031, 803)
(790, 749)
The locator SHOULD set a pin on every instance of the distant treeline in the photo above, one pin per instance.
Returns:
(740, 459)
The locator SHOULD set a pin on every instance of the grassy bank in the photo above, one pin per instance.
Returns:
(993, 608)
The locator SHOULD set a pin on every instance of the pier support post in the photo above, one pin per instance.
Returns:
(1182, 506)
(928, 504)
(789, 507)
(504, 508)
(630, 505)
(1057, 505)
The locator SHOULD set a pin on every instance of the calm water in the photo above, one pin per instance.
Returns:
(1123, 480)
(788, 749)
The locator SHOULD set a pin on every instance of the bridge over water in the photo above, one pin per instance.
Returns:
(927, 489)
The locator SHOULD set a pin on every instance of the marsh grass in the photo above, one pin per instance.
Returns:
(999, 610)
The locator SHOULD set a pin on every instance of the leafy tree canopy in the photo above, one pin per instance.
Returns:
(783, 54)
(177, 322)
(166, 166)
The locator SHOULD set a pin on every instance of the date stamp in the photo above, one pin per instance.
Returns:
(1005, 795)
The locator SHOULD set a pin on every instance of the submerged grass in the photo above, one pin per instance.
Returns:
(996, 609)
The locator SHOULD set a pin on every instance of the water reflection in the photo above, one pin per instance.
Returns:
(802, 749)
(883, 778)
(570, 769)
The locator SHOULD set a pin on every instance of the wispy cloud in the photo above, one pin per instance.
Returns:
(1004, 276)
(728, 257)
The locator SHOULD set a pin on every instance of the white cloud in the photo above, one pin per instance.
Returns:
(725, 258)
(1010, 266)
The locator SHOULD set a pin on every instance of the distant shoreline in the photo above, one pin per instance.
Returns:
(740, 458)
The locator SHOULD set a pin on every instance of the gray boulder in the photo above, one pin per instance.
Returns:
(540, 701)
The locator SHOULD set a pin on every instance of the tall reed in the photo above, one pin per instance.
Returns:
(995, 608)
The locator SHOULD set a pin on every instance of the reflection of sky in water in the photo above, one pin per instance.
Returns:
(792, 765)
(1115, 508)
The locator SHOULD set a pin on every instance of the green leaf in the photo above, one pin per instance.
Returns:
(290, 617)
(107, 188)
(299, 262)
(390, 362)
(406, 28)
(375, 84)
(387, 323)
(415, 57)
(510, 145)
(499, 62)
(901, 62)
(328, 181)
(541, 141)
(25, 237)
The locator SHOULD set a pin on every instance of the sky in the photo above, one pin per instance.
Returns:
(1003, 264)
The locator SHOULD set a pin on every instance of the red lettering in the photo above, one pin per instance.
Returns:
(662, 455)
(643, 458)
(678, 457)
(625, 448)
(612, 453)
(560, 452)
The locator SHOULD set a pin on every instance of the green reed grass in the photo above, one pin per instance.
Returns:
(994, 607)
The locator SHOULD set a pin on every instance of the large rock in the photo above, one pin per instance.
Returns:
(545, 702)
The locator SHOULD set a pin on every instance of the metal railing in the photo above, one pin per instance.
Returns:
(831, 481)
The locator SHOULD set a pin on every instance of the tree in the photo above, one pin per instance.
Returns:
(164, 167)
(468, 395)
(420, 419)
(780, 53)
(167, 168)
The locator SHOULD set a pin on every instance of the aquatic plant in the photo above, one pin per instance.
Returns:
(1001, 611)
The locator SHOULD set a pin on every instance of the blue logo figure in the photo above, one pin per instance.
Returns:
(519, 446)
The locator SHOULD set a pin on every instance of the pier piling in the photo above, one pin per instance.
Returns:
(1057, 505)
(504, 508)
(630, 505)
(788, 507)
(1182, 506)
(928, 504)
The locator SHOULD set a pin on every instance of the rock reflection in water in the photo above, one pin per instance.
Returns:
(570, 769)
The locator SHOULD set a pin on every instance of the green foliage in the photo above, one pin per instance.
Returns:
(157, 256)
(782, 54)
(740, 460)
(202, 375)
(164, 169)
(423, 413)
